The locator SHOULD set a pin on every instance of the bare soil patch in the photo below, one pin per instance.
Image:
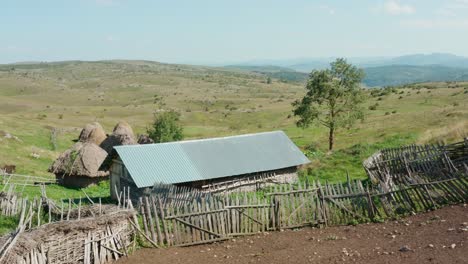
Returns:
(439, 236)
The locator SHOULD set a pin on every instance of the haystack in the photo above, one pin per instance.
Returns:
(79, 166)
(121, 135)
(93, 133)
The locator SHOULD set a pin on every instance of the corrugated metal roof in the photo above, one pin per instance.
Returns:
(194, 160)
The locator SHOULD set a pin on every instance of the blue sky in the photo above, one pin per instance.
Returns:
(219, 31)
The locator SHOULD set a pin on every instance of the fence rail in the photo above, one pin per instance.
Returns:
(24, 180)
(215, 218)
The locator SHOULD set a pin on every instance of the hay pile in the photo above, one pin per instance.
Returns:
(83, 159)
(121, 135)
(90, 157)
(93, 133)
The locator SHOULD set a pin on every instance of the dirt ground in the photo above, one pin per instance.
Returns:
(440, 236)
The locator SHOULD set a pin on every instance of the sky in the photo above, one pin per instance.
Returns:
(224, 32)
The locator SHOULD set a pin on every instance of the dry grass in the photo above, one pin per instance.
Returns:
(446, 134)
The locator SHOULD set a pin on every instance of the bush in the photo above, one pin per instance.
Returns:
(165, 127)
(373, 107)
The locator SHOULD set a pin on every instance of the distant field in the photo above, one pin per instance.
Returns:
(213, 102)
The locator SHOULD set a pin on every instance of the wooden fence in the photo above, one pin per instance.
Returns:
(417, 164)
(24, 180)
(216, 218)
(94, 240)
(66, 233)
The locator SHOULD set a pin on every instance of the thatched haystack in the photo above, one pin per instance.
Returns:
(121, 135)
(87, 161)
(80, 165)
(93, 133)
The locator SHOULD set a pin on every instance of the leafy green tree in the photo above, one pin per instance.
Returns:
(334, 97)
(166, 128)
(268, 80)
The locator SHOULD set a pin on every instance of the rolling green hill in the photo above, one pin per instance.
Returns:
(380, 71)
(404, 74)
(379, 76)
(281, 73)
(36, 98)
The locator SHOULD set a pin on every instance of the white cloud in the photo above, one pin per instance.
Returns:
(396, 8)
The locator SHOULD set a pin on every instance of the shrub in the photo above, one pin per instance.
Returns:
(165, 127)
(373, 107)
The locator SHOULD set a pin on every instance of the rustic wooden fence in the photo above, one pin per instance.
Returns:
(414, 164)
(217, 217)
(24, 180)
(99, 239)
(66, 233)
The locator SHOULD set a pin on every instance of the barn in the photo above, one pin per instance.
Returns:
(214, 164)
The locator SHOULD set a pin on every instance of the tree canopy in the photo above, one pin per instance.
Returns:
(334, 97)
(166, 128)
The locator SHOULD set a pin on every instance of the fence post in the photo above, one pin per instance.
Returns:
(277, 211)
(370, 204)
(323, 202)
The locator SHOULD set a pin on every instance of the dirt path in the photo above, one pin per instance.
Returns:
(435, 237)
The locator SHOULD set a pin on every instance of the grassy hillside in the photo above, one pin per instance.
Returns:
(36, 98)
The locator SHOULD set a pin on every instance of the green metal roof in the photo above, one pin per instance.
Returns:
(195, 160)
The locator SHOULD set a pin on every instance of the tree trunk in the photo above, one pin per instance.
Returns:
(331, 138)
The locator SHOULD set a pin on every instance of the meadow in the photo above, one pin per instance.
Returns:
(36, 99)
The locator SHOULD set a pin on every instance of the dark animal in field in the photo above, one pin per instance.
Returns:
(145, 139)
(9, 169)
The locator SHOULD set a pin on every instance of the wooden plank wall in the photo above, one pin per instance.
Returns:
(215, 218)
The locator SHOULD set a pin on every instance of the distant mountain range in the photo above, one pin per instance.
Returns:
(380, 71)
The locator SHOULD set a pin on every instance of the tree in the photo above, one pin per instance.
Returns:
(165, 127)
(268, 80)
(333, 98)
